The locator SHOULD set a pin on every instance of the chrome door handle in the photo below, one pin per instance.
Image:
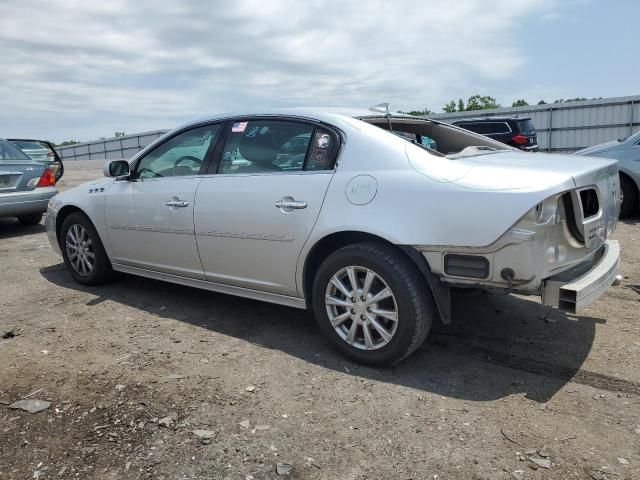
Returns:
(287, 204)
(173, 204)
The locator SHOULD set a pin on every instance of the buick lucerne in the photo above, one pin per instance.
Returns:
(347, 213)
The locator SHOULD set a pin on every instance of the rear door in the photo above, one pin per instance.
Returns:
(257, 208)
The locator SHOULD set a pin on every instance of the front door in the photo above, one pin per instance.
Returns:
(254, 216)
(149, 217)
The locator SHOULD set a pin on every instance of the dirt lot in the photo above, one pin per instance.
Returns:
(133, 368)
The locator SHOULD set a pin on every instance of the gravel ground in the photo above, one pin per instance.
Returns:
(133, 368)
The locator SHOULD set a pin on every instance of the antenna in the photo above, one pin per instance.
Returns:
(383, 108)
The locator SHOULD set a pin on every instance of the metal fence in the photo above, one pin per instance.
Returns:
(110, 148)
(570, 126)
(561, 127)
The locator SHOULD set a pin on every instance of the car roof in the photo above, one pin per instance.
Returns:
(323, 114)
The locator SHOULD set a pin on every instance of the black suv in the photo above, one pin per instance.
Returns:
(514, 131)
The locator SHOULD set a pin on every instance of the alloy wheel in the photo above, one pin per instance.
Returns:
(361, 308)
(80, 250)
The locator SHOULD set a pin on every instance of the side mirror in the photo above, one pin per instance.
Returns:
(116, 168)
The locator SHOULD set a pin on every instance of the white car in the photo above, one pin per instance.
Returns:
(370, 229)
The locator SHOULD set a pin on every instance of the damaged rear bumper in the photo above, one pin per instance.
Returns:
(575, 289)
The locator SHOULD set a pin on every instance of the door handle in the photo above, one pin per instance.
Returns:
(173, 204)
(288, 204)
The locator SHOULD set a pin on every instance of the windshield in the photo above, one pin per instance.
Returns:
(9, 152)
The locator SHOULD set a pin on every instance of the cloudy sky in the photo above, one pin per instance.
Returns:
(83, 70)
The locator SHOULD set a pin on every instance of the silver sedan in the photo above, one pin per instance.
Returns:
(329, 210)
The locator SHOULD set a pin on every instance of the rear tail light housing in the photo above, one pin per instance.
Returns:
(520, 139)
(47, 179)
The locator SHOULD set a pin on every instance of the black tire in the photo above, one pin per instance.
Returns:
(32, 219)
(415, 305)
(629, 197)
(102, 270)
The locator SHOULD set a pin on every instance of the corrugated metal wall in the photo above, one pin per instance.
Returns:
(566, 127)
(562, 127)
(111, 148)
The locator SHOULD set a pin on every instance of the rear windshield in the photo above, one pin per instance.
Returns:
(9, 152)
(526, 125)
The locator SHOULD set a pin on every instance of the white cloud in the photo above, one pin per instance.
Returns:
(96, 67)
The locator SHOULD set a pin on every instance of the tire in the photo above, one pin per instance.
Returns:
(411, 300)
(32, 219)
(629, 197)
(93, 252)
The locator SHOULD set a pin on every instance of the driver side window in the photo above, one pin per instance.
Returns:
(181, 155)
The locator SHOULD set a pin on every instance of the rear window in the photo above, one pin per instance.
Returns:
(526, 126)
(9, 152)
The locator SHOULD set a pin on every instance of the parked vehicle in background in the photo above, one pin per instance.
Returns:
(43, 152)
(26, 186)
(516, 132)
(627, 151)
(330, 210)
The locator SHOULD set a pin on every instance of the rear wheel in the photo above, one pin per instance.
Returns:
(33, 219)
(83, 252)
(629, 197)
(372, 302)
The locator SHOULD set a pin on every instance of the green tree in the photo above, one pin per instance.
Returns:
(67, 142)
(450, 107)
(419, 113)
(520, 103)
(542, 102)
(460, 105)
(119, 134)
(481, 102)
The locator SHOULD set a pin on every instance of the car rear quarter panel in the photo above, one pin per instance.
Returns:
(410, 208)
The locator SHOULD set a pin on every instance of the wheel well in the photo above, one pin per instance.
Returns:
(333, 242)
(62, 215)
(632, 182)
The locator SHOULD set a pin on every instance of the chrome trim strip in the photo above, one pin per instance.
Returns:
(145, 228)
(246, 236)
(294, 302)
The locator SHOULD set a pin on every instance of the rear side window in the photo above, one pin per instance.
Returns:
(271, 146)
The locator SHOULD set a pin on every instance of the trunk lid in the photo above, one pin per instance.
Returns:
(15, 175)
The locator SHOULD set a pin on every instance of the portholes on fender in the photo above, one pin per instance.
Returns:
(361, 189)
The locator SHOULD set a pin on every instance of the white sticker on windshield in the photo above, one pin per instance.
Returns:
(239, 127)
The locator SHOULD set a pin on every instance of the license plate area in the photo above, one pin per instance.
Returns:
(9, 180)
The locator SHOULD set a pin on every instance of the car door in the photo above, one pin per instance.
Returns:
(149, 216)
(253, 216)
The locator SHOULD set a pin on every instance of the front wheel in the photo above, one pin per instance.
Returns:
(373, 304)
(83, 252)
